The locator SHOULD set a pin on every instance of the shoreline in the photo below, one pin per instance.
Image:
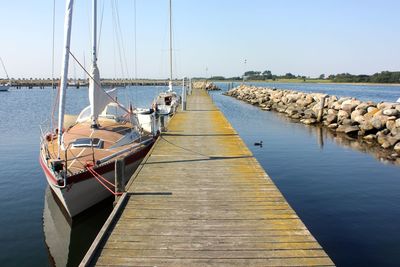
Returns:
(308, 82)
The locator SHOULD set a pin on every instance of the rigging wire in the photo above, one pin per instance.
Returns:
(134, 48)
(101, 27)
(134, 38)
(117, 36)
(55, 101)
(122, 40)
(99, 85)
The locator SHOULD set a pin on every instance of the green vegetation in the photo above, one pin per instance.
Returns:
(267, 76)
(382, 77)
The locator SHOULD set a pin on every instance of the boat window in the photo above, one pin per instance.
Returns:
(87, 142)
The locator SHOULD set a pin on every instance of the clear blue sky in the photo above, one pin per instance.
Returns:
(302, 37)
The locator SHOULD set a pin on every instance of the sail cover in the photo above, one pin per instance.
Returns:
(98, 98)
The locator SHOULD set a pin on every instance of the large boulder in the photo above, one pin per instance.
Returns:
(385, 105)
(342, 115)
(379, 122)
(350, 105)
(371, 109)
(309, 121)
(393, 139)
(331, 118)
(351, 130)
(391, 112)
(366, 126)
(397, 147)
(357, 113)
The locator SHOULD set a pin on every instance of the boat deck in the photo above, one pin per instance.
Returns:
(110, 132)
(200, 198)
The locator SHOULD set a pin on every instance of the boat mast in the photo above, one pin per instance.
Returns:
(170, 46)
(5, 70)
(64, 71)
(94, 33)
(94, 82)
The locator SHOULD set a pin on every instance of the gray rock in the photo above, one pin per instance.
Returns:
(347, 122)
(386, 145)
(369, 137)
(390, 124)
(332, 111)
(350, 105)
(309, 121)
(381, 139)
(393, 139)
(384, 132)
(342, 115)
(336, 105)
(309, 114)
(351, 130)
(366, 126)
(371, 109)
(356, 113)
(395, 131)
(331, 118)
(385, 105)
(363, 106)
(341, 128)
(333, 126)
(359, 119)
(397, 147)
(378, 122)
(398, 123)
(390, 112)
(296, 116)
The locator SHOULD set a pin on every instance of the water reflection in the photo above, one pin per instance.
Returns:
(68, 240)
(323, 134)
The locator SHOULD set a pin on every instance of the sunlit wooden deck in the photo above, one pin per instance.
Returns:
(201, 199)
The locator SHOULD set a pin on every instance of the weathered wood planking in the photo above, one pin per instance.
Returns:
(200, 198)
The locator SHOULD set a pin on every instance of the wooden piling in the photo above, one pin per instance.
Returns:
(321, 108)
(119, 177)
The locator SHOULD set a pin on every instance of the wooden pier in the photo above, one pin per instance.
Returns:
(200, 198)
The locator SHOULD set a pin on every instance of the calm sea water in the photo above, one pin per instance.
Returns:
(349, 200)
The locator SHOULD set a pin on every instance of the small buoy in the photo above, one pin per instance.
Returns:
(258, 143)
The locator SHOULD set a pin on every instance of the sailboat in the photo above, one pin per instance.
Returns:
(5, 86)
(78, 158)
(167, 102)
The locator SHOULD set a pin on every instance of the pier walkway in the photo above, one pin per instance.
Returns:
(200, 198)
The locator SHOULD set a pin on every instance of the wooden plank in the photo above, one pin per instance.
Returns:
(138, 261)
(200, 198)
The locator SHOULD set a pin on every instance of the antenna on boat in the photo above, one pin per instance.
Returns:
(170, 46)
(64, 72)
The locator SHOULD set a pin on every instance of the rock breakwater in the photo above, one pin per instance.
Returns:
(373, 123)
(209, 86)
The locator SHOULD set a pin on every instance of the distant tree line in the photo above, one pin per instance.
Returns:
(382, 77)
(259, 76)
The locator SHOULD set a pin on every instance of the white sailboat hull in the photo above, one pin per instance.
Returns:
(77, 197)
(4, 88)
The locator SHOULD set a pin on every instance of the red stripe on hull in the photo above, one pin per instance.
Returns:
(101, 170)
